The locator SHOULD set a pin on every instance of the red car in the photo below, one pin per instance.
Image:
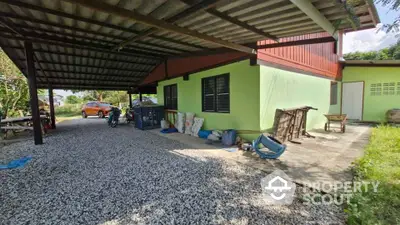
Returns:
(100, 109)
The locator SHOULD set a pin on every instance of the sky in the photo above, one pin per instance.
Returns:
(372, 39)
(366, 40)
(63, 93)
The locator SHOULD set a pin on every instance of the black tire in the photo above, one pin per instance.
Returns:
(344, 128)
(114, 123)
(101, 114)
(84, 115)
(326, 126)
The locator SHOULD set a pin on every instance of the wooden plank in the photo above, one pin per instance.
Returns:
(20, 119)
(16, 128)
(160, 24)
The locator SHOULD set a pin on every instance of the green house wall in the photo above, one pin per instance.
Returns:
(280, 89)
(244, 97)
(255, 93)
(375, 107)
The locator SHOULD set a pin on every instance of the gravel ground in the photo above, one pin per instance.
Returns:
(87, 173)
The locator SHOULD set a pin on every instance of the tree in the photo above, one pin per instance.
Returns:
(117, 97)
(94, 95)
(14, 94)
(395, 6)
(72, 99)
(391, 53)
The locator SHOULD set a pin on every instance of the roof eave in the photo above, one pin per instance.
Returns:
(373, 11)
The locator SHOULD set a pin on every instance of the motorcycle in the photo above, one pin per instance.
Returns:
(129, 115)
(113, 117)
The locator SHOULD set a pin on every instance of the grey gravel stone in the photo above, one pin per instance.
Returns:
(88, 173)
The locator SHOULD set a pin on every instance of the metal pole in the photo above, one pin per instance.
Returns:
(37, 131)
(140, 96)
(52, 114)
(130, 101)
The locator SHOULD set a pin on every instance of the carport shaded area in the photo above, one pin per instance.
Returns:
(114, 45)
(87, 173)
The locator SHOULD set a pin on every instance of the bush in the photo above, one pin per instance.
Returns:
(380, 163)
(68, 110)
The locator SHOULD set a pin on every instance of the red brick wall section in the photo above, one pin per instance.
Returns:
(318, 59)
(181, 66)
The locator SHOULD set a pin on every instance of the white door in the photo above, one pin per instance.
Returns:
(352, 100)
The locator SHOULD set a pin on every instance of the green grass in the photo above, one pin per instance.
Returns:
(68, 110)
(381, 162)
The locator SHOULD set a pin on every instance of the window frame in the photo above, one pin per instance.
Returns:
(215, 94)
(166, 106)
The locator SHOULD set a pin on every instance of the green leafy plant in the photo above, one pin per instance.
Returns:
(380, 163)
(395, 6)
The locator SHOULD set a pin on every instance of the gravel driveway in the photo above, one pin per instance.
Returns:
(87, 173)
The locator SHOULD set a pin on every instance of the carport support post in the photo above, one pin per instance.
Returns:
(140, 96)
(37, 131)
(52, 115)
(130, 100)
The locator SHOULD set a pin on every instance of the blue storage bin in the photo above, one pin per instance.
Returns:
(229, 137)
(148, 117)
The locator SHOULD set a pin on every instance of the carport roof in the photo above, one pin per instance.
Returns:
(372, 63)
(114, 44)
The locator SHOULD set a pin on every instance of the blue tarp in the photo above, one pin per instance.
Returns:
(16, 163)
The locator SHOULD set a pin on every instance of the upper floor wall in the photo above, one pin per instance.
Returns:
(191, 64)
(317, 59)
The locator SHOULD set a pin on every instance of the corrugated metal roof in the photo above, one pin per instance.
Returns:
(76, 47)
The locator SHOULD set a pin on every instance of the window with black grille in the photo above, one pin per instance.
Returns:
(171, 97)
(215, 94)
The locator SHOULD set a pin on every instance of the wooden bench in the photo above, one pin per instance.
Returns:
(16, 128)
(12, 124)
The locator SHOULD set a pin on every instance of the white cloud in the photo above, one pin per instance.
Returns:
(368, 40)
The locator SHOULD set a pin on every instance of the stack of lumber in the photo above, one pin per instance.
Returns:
(393, 116)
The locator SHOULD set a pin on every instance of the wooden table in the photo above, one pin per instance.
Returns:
(18, 124)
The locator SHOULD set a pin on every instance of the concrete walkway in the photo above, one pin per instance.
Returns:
(325, 158)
